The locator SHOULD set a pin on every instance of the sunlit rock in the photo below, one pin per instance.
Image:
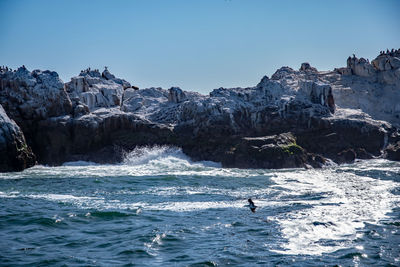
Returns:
(33, 95)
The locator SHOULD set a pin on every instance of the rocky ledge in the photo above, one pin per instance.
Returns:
(295, 118)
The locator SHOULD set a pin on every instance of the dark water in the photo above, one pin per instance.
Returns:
(161, 209)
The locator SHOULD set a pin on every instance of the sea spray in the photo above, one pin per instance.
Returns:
(145, 154)
(162, 155)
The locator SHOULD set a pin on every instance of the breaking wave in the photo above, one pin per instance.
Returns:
(162, 155)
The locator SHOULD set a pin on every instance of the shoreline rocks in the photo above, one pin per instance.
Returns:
(15, 154)
(293, 119)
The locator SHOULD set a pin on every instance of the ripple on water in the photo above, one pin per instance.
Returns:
(166, 210)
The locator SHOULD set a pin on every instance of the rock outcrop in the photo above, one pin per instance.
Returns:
(307, 67)
(293, 119)
(101, 136)
(372, 87)
(33, 95)
(272, 152)
(95, 90)
(15, 155)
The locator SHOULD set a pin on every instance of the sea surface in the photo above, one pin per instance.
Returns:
(158, 208)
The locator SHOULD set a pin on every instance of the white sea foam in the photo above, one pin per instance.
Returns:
(79, 163)
(59, 197)
(9, 194)
(185, 206)
(348, 202)
(84, 202)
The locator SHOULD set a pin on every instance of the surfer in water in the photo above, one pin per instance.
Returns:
(251, 205)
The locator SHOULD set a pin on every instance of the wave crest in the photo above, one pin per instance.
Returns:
(146, 154)
(162, 155)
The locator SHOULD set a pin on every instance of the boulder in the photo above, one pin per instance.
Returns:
(346, 156)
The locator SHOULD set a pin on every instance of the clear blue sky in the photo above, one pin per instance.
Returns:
(197, 45)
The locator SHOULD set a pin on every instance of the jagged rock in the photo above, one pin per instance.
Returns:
(108, 76)
(282, 73)
(376, 92)
(15, 154)
(144, 101)
(176, 95)
(360, 67)
(386, 62)
(96, 90)
(319, 93)
(154, 105)
(33, 95)
(307, 67)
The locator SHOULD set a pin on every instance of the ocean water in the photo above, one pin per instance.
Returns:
(160, 209)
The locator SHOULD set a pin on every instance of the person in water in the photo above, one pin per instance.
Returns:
(251, 205)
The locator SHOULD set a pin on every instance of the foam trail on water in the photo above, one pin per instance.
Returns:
(346, 203)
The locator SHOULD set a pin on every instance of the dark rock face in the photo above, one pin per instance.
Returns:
(102, 139)
(271, 152)
(331, 137)
(15, 155)
(393, 152)
(346, 156)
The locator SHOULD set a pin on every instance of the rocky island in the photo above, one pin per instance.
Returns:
(295, 118)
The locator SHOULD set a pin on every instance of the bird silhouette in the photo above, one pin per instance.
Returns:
(251, 205)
